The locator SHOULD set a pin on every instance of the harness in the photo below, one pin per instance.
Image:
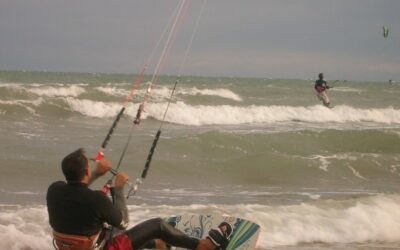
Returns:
(320, 89)
(76, 242)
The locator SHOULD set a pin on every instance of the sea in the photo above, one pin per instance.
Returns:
(257, 148)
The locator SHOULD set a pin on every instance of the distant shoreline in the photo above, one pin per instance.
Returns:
(26, 76)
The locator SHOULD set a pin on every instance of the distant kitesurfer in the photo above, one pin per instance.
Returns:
(77, 215)
(321, 87)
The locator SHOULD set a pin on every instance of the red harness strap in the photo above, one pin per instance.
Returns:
(320, 89)
(120, 242)
(74, 242)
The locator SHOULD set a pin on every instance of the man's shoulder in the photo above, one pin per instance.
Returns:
(57, 184)
(54, 189)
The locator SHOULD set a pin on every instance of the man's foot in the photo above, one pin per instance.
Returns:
(221, 235)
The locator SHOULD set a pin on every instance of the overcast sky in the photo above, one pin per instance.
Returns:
(244, 38)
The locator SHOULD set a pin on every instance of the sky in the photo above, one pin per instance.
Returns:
(293, 39)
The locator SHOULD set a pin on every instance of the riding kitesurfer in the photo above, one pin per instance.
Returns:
(77, 214)
(321, 87)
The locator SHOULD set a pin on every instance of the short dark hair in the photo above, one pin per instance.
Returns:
(74, 165)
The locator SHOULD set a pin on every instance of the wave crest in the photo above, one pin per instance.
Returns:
(182, 113)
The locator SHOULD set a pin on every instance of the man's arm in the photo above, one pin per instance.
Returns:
(102, 167)
(115, 213)
(326, 85)
(119, 198)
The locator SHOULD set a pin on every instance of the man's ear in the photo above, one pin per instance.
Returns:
(87, 171)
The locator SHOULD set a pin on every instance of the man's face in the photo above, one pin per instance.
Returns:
(88, 167)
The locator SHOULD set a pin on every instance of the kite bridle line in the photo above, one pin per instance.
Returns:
(139, 181)
(137, 119)
(128, 99)
(183, 7)
(179, 13)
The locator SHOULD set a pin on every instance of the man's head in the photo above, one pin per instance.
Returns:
(321, 76)
(75, 165)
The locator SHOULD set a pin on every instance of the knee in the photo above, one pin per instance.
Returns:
(163, 226)
(158, 220)
(158, 223)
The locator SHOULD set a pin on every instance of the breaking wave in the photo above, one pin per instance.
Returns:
(368, 219)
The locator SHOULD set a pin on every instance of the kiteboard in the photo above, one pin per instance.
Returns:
(244, 232)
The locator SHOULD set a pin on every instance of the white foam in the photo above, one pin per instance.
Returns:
(374, 218)
(346, 89)
(324, 160)
(356, 173)
(182, 113)
(197, 115)
(72, 90)
(113, 91)
(19, 192)
(24, 228)
(224, 93)
(394, 169)
(371, 219)
(28, 135)
(324, 164)
(56, 90)
(162, 93)
(158, 94)
(97, 109)
(11, 85)
(26, 104)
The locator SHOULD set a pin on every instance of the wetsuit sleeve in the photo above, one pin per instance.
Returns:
(120, 203)
(108, 212)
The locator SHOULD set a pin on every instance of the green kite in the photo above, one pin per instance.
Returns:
(385, 31)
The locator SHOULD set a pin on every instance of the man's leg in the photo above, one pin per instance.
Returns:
(320, 97)
(158, 229)
(326, 99)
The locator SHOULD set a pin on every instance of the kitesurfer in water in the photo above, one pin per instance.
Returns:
(77, 214)
(321, 87)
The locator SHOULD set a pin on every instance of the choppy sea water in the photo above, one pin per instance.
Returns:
(262, 149)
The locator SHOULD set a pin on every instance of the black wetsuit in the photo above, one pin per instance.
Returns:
(320, 85)
(77, 210)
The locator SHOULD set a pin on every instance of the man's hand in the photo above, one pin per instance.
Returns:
(102, 167)
(121, 179)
